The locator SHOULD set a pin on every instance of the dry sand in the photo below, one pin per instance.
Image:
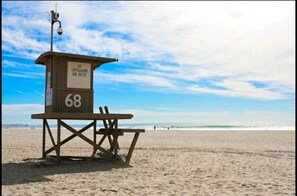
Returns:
(163, 163)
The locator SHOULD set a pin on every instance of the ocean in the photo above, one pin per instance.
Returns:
(168, 127)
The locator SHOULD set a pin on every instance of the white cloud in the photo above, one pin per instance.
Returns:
(236, 43)
(39, 93)
(21, 109)
(220, 117)
(136, 79)
(21, 92)
(239, 89)
(24, 74)
(14, 64)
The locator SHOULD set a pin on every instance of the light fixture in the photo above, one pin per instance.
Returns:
(54, 18)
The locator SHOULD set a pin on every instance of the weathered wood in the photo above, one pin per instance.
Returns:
(85, 138)
(97, 61)
(120, 131)
(51, 136)
(133, 130)
(107, 132)
(104, 121)
(110, 122)
(59, 139)
(132, 147)
(115, 137)
(111, 128)
(109, 139)
(70, 137)
(94, 136)
(81, 116)
(43, 138)
(102, 139)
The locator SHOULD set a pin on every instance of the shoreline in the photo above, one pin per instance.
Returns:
(171, 129)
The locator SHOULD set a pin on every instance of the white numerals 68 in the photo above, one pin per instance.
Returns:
(76, 102)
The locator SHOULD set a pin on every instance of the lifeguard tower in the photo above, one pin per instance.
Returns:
(69, 81)
(69, 95)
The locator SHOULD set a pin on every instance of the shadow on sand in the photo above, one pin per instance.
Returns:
(36, 171)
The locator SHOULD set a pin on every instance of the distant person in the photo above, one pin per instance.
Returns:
(154, 127)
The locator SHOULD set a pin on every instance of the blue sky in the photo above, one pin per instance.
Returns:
(179, 62)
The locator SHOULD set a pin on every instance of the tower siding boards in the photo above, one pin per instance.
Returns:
(69, 91)
(61, 72)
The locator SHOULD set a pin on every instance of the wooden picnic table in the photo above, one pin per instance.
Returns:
(94, 117)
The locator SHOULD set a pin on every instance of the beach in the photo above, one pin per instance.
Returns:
(163, 163)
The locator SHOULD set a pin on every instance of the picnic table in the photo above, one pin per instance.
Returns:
(110, 130)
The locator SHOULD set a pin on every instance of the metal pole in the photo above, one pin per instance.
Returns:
(52, 24)
(52, 58)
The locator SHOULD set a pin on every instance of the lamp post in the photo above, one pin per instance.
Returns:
(54, 18)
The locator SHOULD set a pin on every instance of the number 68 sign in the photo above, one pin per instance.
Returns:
(74, 100)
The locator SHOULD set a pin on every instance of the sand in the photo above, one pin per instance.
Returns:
(163, 163)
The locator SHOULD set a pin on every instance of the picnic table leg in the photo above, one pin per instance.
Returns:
(132, 147)
(115, 140)
(58, 139)
(43, 138)
(110, 142)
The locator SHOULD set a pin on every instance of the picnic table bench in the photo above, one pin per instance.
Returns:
(110, 131)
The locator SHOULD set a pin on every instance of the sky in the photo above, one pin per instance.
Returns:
(193, 62)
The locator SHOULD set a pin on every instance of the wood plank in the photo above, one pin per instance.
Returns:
(52, 138)
(110, 122)
(70, 137)
(94, 137)
(97, 61)
(85, 138)
(121, 131)
(99, 144)
(81, 116)
(43, 138)
(132, 130)
(115, 137)
(132, 147)
(59, 139)
(110, 142)
(104, 121)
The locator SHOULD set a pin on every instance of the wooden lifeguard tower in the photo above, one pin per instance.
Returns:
(69, 95)
(69, 81)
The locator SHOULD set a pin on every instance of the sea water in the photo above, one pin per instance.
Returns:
(168, 127)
